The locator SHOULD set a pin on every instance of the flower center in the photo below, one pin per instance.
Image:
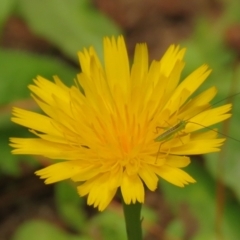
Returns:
(132, 166)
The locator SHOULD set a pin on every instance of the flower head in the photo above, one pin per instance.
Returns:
(121, 126)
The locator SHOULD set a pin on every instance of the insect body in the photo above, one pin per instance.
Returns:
(168, 134)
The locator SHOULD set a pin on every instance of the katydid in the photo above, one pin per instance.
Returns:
(171, 131)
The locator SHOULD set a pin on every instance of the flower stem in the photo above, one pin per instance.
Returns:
(132, 214)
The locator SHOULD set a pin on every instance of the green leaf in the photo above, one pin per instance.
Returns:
(70, 205)
(18, 69)
(5, 10)
(8, 163)
(40, 230)
(71, 25)
(104, 227)
(175, 230)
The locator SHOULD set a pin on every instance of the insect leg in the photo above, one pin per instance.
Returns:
(159, 152)
(159, 128)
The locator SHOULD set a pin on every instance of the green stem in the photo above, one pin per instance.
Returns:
(132, 214)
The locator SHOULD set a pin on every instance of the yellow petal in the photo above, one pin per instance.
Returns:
(132, 189)
(175, 176)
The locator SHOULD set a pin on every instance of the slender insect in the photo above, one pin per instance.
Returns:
(168, 134)
(171, 131)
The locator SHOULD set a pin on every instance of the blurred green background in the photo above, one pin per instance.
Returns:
(42, 38)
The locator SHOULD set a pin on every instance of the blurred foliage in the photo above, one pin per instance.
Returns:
(207, 45)
(44, 230)
(72, 25)
(201, 200)
(79, 23)
(5, 11)
(70, 206)
(210, 48)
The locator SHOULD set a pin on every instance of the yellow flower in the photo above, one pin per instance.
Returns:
(104, 128)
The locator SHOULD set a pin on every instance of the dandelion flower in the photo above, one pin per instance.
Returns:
(103, 129)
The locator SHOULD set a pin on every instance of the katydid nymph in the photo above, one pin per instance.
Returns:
(170, 132)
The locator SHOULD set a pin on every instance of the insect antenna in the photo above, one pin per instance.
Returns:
(231, 96)
(225, 135)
